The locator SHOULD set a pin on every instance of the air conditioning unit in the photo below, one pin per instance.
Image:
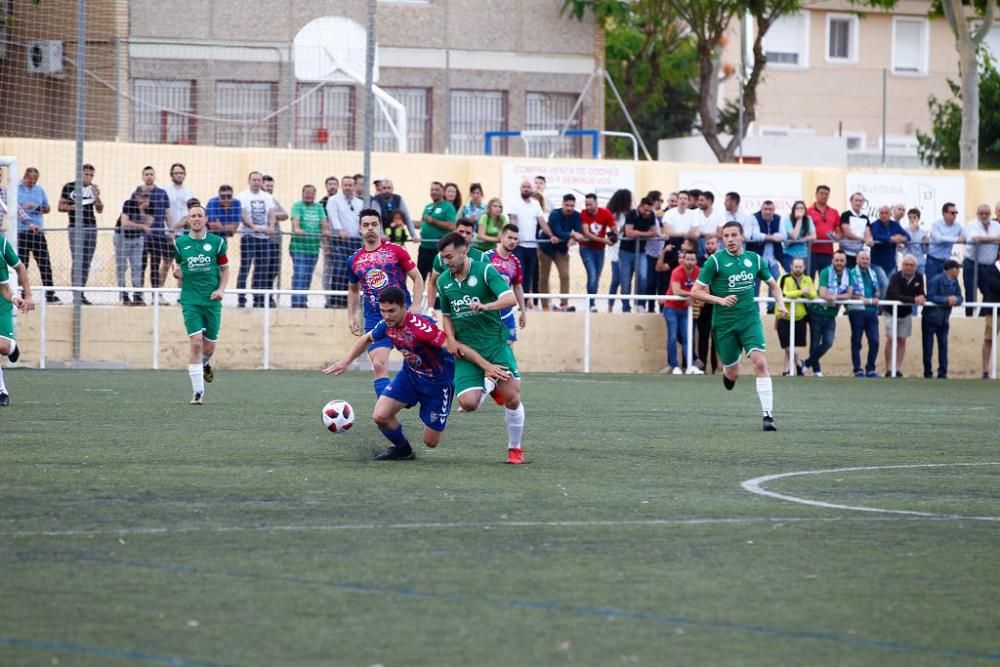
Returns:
(45, 57)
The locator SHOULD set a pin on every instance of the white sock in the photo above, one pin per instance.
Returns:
(488, 386)
(3, 387)
(205, 358)
(515, 426)
(765, 395)
(197, 374)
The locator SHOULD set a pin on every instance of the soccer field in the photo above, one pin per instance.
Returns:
(137, 529)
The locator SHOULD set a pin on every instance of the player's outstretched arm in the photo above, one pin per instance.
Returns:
(504, 301)
(493, 371)
(223, 283)
(7, 293)
(356, 351)
(522, 318)
(432, 281)
(353, 301)
(779, 298)
(22, 277)
(700, 293)
(418, 289)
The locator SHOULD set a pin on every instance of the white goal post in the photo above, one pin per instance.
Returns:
(8, 205)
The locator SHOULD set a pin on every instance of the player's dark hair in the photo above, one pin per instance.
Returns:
(365, 212)
(392, 295)
(733, 223)
(451, 239)
(465, 222)
(510, 227)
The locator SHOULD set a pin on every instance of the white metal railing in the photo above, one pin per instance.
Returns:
(638, 298)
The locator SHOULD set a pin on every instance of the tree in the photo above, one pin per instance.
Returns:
(941, 146)
(968, 39)
(652, 64)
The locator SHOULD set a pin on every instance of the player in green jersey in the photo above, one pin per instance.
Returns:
(727, 279)
(472, 296)
(467, 229)
(203, 271)
(8, 301)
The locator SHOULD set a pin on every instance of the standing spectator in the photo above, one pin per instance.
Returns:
(437, 220)
(157, 250)
(473, 210)
(799, 233)
(308, 222)
(826, 223)
(854, 224)
(869, 283)
(906, 285)
(945, 232)
(258, 221)
(982, 238)
(274, 259)
(527, 214)
(360, 191)
(884, 236)
(453, 196)
(332, 185)
(733, 214)
(657, 282)
(178, 196)
(33, 205)
(619, 205)
(945, 292)
(548, 203)
(920, 237)
(680, 223)
(834, 287)
(772, 235)
(989, 282)
(134, 224)
(82, 237)
(388, 202)
(563, 225)
(224, 213)
(795, 284)
(490, 224)
(711, 219)
(640, 224)
(676, 313)
(597, 222)
(702, 311)
(343, 210)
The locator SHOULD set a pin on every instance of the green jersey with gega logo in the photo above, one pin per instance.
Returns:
(199, 262)
(482, 331)
(727, 274)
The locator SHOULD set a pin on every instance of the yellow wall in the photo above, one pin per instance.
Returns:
(308, 339)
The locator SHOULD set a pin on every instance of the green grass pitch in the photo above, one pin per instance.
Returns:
(136, 529)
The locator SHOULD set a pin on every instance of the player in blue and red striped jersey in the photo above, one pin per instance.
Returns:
(508, 265)
(376, 266)
(427, 376)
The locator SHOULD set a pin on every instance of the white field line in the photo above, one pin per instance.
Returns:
(756, 485)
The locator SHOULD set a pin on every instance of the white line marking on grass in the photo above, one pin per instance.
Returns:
(756, 485)
(321, 528)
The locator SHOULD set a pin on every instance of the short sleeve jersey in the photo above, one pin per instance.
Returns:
(441, 210)
(509, 268)
(475, 254)
(374, 270)
(482, 331)
(200, 261)
(422, 344)
(10, 259)
(726, 274)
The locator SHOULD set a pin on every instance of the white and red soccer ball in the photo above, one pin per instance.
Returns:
(338, 416)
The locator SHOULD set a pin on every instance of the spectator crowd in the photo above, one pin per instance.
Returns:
(650, 245)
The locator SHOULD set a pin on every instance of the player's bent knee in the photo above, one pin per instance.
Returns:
(431, 437)
(469, 401)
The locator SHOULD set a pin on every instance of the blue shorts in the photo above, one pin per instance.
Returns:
(434, 398)
(509, 321)
(369, 325)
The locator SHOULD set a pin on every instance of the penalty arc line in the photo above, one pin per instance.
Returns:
(756, 486)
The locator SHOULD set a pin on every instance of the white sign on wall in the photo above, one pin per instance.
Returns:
(565, 178)
(925, 192)
(784, 188)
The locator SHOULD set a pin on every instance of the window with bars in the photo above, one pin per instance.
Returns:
(841, 38)
(242, 107)
(157, 111)
(325, 117)
(418, 121)
(473, 113)
(550, 111)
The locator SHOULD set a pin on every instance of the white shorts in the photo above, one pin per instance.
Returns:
(904, 326)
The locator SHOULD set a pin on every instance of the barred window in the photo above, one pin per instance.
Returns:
(325, 118)
(473, 114)
(418, 121)
(550, 111)
(245, 105)
(155, 111)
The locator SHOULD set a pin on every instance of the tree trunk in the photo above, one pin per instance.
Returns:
(708, 105)
(968, 142)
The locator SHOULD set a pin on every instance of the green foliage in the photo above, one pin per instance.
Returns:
(940, 147)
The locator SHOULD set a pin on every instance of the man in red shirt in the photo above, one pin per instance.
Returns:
(676, 313)
(827, 222)
(596, 221)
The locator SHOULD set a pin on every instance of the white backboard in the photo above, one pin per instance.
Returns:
(329, 45)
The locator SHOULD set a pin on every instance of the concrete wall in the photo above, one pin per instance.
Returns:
(308, 339)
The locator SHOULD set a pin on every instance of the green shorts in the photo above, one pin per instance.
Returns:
(6, 319)
(203, 319)
(469, 376)
(731, 339)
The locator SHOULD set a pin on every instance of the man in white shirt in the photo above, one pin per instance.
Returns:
(179, 195)
(751, 232)
(853, 223)
(679, 223)
(526, 213)
(255, 246)
(982, 241)
(343, 210)
(712, 218)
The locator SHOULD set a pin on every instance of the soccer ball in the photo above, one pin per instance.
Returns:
(338, 416)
